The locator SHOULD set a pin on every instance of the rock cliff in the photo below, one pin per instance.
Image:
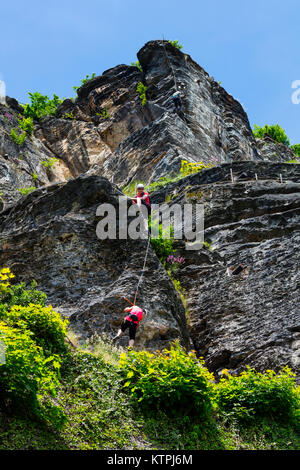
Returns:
(105, 139)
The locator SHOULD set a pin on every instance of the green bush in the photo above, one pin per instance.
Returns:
(26, 125)
(141, 89)
(41, 105)
(18, 139)
(176, 44)
(137, 64)
(273, 131)
(172, 380)
(48, 327)
(254, 394)
(162, 245)
(49, 162)
(19, 294)
(296, 149)
(28, 379)
(25, 191)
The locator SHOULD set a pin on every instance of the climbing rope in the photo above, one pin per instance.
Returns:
(142, 273)
(144, 265)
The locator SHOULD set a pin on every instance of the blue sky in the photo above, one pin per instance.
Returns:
(253, 48)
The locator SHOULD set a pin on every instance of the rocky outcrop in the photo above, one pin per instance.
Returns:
(107, 130)
(272, 151)
(106, 137)
(50, 236)
(251, 318)
(21, 165)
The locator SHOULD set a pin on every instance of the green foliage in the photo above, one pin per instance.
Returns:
(41, 105)
(26, 125)
(32, 335)
(137, 64)
(48, 327)
(84, 80)
(34, 176)
(18, 294)
(253, 394)
(193, 167)
(141, 89)
(49, 162)
(296, 149)
(176, 44)
(68, 116)
(25, 191)
(273, 131)
(103, 114)
(18, 139)
(172, 380)
(163, 245)
(27, 377)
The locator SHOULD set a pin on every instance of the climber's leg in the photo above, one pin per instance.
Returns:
(132, 332)
(123, 327)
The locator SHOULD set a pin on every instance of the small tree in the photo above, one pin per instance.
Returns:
(41, 105)
(296, 149)
(273, 131)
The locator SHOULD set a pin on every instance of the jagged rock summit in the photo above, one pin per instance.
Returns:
(106, 130)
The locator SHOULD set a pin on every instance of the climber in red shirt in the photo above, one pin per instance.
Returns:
(131, 321)
(143, 196)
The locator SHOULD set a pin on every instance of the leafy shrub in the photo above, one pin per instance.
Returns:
(18, 139)
(296, 149)
(69, 116)
(137, 64)
(176, 44)
(49, 162)
(193, 167)
(26, 125)
(162, 245)
(103, 114)
(25, 191)
(84, 80)
(48, 327)
(273, 131)
(27, 378)
(254, 394)
(141, 89)
(41, 105)
(18, 294)
(172, 380)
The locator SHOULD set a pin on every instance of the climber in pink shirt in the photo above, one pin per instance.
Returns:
(131, 321)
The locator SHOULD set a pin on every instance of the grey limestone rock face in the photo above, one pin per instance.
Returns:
(106, 138)
(19, 163)
(251, 318)
(132, 141)
(50, 236)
